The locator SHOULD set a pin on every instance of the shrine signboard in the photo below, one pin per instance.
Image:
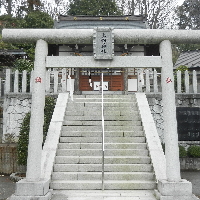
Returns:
(188, 120)
(103, 43)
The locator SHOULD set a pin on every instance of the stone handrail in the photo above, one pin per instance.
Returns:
(152, 138)
(53, 135)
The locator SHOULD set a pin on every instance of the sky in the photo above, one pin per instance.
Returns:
(180, 2)
(2, 10)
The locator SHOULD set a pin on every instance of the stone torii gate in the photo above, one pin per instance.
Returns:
(33, 187)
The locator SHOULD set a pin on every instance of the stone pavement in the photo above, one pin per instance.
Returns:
(193, 177)
(7, 187)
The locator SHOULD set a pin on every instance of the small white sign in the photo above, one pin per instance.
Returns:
(97, 85)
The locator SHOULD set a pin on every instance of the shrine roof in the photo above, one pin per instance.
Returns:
(191, 59)
(90, 22)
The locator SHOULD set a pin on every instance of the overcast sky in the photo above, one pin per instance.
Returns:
(180, 2)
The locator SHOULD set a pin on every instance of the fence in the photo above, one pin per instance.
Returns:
(8, 159)
(57, 81)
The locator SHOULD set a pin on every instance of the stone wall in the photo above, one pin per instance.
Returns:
(15, 108)
(182, 100)
(190, 163)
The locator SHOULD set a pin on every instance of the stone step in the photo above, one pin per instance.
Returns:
(105, 99)
(99, 123)
(107, 176)
(107, 133)
(105, 104)
(103, 195)
(98, 152)
(99, 139)
(96, 111)
(130, 96)
(82, 107)
(99, 146)
(97, 185)
(99, 128)
(98, 160)
(99, 118)
(98, 168)
(78, 164)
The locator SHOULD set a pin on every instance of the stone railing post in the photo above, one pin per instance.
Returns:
(187, 82)
(147, 81)
(16, 82)
(194, 82)
(7, 82)
(155, 81)
(24, 81)
(178, 81)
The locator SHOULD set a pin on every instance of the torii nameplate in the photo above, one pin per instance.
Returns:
(103, 43)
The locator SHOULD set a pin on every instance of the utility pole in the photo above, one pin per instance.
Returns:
(9, 7)
(133, 7)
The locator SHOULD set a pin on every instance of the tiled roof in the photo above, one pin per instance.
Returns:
(191, 59)
(89, 22)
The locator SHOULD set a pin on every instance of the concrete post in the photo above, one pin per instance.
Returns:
(76, 83)
(37, 113)
(155, 81)
(24, 81)
(179, 82)
(147, 82)
(16, 82)
(64, 80)
(125, 81)
(194, 81)
(7, 83)
(140, 79)
(187, 82)
(169, 114)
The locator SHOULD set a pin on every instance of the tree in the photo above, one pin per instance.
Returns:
(157, 12)
(188, 15)
(34, 19)
(38, 19)
(19, 8)
(7, 21)
(93, 7)
(188, 18)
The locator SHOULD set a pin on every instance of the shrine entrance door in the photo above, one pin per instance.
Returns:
(89, 79)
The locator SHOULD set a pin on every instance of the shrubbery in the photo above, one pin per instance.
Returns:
(182, 152)
(192, 151)
(22, 147)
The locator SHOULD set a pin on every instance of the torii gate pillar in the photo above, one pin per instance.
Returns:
(174, 188)
(33, 186)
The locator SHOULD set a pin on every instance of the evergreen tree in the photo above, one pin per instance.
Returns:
(189, 18)
(188, 15)
(93, 8)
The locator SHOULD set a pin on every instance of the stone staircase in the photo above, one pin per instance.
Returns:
(78, 163)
